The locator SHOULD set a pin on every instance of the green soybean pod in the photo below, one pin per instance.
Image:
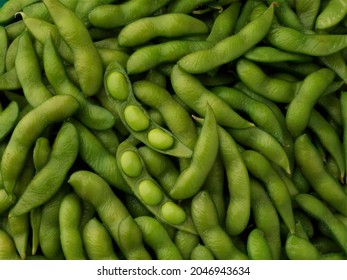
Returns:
(343, 101)
(299, 109)
(97, 241)
(261, 168)
(108, 56)
(257, 246)
(9, 80)
(267, 54)
(41, 30)
(244, 16)
(14, 29)
(201, 252)
(215, 238)
(181, 6)
(70, 214)
(260, 113)
(49, 233)
(298, 248)
(150, 56)
(3, 49)
(205, 152)
(160, 166)
(331, 15)
(41, 152)
(20, 229)
(175, 116)
(336, 63)
(108, 138)
(8, 119)
(77, 37)
(196, 96)
(30, 79)
(228, 49)
(289, 39)
(134, 116)
(8, 250)
(239, 206)
(307, 11)
(215, 186)
(103, 15)
(286, 15)
(111, 210)
(274, 89)
(82, 9)
(157, 237)
(314, 207)
(90, 114)
(55, 109)
(50, 178)
(100, 160)
(264, 143)
(312, 167)
(186, 242)
(266, 217)
(329, 138)
(5, 202)
(35, 221)
(224, 24)
(37, 10)
(10, 8)
(148, 191)
(169, 25)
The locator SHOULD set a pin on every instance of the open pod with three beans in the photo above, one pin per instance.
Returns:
(173, 129)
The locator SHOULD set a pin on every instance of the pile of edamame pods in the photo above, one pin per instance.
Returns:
(173, 129)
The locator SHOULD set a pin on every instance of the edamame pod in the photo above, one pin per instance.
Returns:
(229, 48)
(261, 168)
(97, 241)
(239, 205)
(266, 217)
(55, 109)
(175, 116)
(191, 91)
(31, 81)
(289, 39)
(7, 248)
(205, 218)
(257, 246)
(70, 214)
(77, 37)
(10, 8)
(90, 114)
(112, 212)
(8, 119)
(156, 236)
(312, 167)
(298, 248)
(147, 57)
(148, 191)
(299, 109)
(50, 178)
(168, 25)
(100, 160)
(333, 13)
(274, 89)
(103, 15)
(191, 179)
(319, 211)
(135, 118)
(3, 49)
(41, 30)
